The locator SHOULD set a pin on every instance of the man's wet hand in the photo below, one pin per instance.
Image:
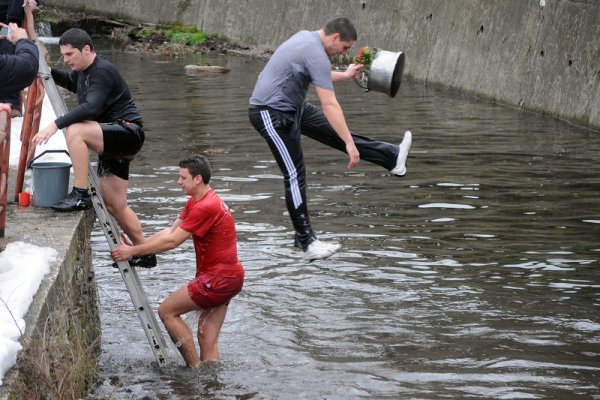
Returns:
(125, 239)
(121, 253)
(15, 33)
(353, 154)
(353, 71)
(44, 135)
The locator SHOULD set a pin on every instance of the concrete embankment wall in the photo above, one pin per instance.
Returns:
(541, 55)
(62, 335)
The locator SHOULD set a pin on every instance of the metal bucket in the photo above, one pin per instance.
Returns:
(50, 180)
(385, 73)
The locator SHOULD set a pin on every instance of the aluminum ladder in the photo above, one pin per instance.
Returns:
(111, 231)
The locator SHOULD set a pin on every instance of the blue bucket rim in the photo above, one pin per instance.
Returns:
(47, 164)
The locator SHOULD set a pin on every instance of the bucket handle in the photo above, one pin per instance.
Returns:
(363, 80)
(44, 152)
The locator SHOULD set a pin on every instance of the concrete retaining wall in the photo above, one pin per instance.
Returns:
(541, 55)
(62, 336)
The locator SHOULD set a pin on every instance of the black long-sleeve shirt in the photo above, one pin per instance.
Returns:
(102, 95)
(18, 70)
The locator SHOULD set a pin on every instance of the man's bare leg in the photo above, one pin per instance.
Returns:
(170, 312)
(80, 137)
(114, 193)
(209, 328)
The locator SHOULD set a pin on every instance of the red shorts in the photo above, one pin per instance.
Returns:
(209, 291)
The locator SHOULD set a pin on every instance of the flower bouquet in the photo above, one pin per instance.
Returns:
(365, 56)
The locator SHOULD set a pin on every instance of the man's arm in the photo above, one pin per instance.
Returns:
(349, 75)
(160, 242)
(95, 100)
(28, 22)
(334, 114)
(100, 83)
(66, 79)
(4, 117)
(18, 69)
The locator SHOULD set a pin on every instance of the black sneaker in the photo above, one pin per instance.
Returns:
(75, 201)
(147, 261)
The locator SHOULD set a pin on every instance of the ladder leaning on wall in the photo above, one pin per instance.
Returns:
(111, 231)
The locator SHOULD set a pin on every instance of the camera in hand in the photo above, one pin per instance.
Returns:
(4, 31)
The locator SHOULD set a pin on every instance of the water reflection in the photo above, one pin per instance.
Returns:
(472, 277)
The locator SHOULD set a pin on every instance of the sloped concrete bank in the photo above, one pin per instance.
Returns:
(62, 335)
(541, 55)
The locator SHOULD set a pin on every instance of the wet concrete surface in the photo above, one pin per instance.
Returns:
(40, 226)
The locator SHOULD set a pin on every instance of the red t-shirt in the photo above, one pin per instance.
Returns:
(213, 230)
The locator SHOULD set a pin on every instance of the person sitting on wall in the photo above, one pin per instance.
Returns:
(107, 121)
(219, 274)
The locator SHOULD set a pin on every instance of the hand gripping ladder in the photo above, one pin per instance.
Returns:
(111, 231)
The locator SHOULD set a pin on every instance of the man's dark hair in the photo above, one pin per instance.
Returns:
(344, 27)
(197, 165)
(77, 38)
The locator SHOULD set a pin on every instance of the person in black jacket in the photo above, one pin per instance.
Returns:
(18, 70)
(107, 121)
(20, 13)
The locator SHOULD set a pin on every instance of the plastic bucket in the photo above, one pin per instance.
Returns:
(385, 73)
(50, 181)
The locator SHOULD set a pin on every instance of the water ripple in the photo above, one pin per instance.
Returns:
(471, 277)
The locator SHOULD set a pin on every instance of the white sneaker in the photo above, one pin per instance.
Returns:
(400, 169)
(319, 250)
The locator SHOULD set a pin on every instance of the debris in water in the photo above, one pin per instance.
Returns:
(205, 69)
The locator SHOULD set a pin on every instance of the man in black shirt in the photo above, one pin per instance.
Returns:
(106, 120)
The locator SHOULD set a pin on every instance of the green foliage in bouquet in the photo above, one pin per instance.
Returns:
(365, 56)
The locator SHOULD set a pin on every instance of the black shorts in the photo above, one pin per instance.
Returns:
(122, 141)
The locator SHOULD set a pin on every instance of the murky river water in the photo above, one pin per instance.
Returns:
(475, 276)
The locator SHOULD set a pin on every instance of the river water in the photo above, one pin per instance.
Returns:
(475, 276)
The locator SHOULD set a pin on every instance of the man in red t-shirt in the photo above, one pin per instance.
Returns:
(219, 274)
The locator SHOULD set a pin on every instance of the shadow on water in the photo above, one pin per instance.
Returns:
(475, 276)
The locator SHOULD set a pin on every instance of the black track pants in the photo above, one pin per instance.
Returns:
(282, 132)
